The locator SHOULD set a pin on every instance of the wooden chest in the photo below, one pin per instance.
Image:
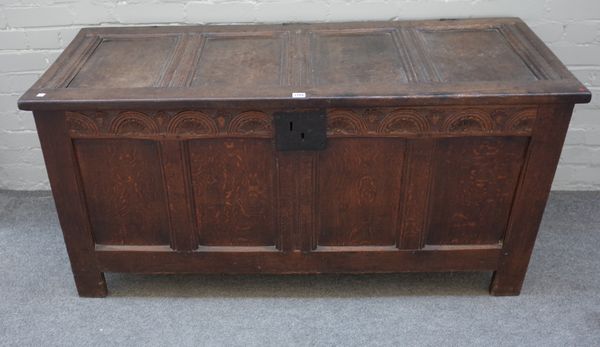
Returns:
(303, 148)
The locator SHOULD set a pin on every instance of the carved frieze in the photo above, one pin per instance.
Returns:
(448, 121)
(383, 122)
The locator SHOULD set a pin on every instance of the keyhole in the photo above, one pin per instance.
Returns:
(302, 136)
(291, 126)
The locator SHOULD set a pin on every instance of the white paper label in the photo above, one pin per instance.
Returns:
(298, 95)
(40, 95)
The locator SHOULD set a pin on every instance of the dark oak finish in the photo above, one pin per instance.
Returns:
(473, 188)
(72, 210)
(442, 142)
(531, 196)
(232, 185)
(359, 184)
(122, 179)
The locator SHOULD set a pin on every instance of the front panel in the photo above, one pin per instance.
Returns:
(182, 180)
(233, 191)
(473, 187)
(123, 187)
(359, 182)
(395, 178)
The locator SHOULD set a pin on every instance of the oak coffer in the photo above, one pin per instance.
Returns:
(303, 148)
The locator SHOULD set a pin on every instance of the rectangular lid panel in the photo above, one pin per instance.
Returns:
(373, 63)
(473, 55)
(126, 62)
(355, 57)
(246, 59)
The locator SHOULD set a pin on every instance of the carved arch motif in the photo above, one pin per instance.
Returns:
(469, 120)
(250, 123)
(80, 123)
(522, 121)
(401, 122)
(192, 123)
(345, 122)
(130, 122)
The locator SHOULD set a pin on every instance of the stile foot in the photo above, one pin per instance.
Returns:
(504, 285)
(91, 285)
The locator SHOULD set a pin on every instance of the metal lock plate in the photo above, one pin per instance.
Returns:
(300, 130)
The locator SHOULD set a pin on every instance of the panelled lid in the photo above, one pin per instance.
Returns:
(496, 60)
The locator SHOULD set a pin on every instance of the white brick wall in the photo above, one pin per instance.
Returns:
(33, 32)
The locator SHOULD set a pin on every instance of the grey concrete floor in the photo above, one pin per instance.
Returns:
(559, 304)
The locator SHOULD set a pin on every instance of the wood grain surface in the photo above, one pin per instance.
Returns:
(442, 142)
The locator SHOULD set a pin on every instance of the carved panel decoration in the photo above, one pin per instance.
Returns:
(470, 120)
(133, 123)
(192, 122)
(374, 122)
(251, 122)
(400, 122)
(79, 123)
(521, 122)
(344, 122)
